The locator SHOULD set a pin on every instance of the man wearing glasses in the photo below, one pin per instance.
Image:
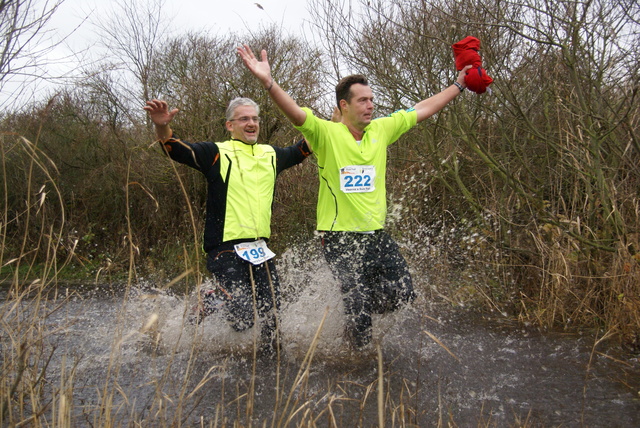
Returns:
(241, 181)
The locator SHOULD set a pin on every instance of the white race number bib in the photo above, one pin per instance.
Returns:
(255, 252)
(357, 178)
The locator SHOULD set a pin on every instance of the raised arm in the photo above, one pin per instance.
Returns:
(432, 105)
(262, 70)
(161, 117)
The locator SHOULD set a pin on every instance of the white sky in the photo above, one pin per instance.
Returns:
(195, 15)
(212, 16)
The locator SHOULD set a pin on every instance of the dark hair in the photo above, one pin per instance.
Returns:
(343, 88)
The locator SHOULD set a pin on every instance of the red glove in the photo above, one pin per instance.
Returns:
(466, 53)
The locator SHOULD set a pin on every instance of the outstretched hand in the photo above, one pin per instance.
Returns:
(260, 69)
(159, 112)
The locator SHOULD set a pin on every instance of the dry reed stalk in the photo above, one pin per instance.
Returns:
(252, 382)
(278, 338)
(363, 402)
(65, 398)
(409, 408)
(435, 339)
(303, 372)
(380, 388)
(313, 419)
(587, 374)
(194, 227)
(26, 360)
(440, 421)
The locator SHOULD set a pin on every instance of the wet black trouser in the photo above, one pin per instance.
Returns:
(373, 276)
(234, 275)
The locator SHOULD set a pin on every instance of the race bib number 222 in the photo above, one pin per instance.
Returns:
(357, 178)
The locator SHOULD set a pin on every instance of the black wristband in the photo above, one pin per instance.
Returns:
(459, 86)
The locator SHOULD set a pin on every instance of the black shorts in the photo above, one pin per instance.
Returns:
(373, 275)
(234, 275)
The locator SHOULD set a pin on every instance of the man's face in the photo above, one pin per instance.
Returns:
(359, 111)
(244, 125)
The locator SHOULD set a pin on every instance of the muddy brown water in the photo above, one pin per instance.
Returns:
(441, 366)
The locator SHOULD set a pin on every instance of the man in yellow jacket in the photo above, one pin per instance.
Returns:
(241, 178)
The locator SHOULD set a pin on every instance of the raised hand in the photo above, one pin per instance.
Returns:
(259, 68)
(159, 112)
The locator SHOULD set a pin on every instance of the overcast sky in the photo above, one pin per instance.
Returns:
(210, 16)
(75, 20)
(196, 15)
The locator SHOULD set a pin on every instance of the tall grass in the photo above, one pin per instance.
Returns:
(29, 282)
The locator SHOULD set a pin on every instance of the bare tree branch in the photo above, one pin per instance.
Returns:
(25, 41)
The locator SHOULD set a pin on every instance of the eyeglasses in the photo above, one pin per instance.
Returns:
(246, 119)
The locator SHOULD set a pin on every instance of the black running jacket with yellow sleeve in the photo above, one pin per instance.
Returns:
(241, 184)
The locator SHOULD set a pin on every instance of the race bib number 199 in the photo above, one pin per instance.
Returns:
(255, 252)
(357, 178)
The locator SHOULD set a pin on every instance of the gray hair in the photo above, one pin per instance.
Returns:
(239, 102)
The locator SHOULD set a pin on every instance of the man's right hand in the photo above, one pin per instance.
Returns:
(161, 117)
(159, 112)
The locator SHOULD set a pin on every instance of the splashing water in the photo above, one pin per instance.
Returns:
(439, 365)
